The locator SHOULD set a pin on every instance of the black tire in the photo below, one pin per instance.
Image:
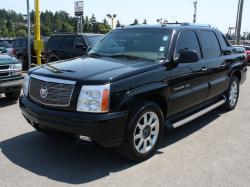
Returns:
(229, 94)
(128, 148)
(13, 96)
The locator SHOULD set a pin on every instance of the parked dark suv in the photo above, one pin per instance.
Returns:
(21, 48)
(66, 46)
(134, 83)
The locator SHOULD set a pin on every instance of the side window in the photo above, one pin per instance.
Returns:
(79, 41)
(226, 42)
(67, 43)
(24, 42)
(211, 45)
(17, 43)
(54, 42)
(188, 41)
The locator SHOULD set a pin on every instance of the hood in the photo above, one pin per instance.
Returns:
(6, 59)
(95, 69)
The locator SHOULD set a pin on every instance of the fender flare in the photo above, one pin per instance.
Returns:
(158, 88)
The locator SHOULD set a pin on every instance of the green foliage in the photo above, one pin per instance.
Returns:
(13, 24)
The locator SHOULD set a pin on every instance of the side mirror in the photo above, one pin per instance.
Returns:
(3, 50)
(228, 51)
(88, 49)
(186, 56)
(80, 46)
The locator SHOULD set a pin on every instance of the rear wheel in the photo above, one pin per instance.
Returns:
(13, 96)
(145, 130)
(232, 94)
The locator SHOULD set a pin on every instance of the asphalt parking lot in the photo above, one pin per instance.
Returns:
(211, 151)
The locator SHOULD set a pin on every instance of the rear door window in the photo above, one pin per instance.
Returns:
(67, 43)
(79, 41)
(188, 41)
(211, 44)
(54, 42)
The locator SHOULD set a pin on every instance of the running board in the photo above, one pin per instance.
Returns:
(197, 115)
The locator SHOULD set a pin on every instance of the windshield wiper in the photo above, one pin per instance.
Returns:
(94, 55)
(127, 56)
(56, 70)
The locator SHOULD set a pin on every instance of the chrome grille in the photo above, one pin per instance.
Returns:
(51, 92)
(4, 70)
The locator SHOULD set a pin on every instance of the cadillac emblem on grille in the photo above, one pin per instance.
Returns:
(44, 91)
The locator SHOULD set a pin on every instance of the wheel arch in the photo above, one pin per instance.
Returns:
(156, 92)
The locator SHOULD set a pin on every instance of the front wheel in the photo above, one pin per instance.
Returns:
(144, 132)
(232, 94)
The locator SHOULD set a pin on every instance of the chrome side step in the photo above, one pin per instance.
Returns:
(198, 114)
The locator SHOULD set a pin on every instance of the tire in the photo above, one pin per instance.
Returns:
(232, 94)
(142, 140)
(13, 96)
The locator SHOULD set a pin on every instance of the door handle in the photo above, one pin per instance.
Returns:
(204, 69)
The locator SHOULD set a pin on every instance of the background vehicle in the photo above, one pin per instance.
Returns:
(247, 48)
(21, 47)
(134, 83)
(10, 50)
(10, 76)
(243, 49)
(66, 46)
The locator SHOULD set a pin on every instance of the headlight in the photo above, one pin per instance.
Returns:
(26, 85)
(17, 69)
(94, 99)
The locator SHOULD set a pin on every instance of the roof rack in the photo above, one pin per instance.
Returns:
(196, 24)
(187, 24)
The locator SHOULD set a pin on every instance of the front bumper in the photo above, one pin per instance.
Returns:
(104, 129)
(11, 86)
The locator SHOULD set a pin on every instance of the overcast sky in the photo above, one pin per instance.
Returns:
(218, 13)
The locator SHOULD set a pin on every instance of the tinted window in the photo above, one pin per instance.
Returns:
(92, 40)
(149, 44)
(54, 42)
(79, 41)
(188, 41)
(247, 48)
(211, 44)
(24, 42)
(5, 44)
(67, 43)
(17, 43)
(226, 42)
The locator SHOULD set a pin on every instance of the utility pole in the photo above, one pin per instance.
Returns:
(239, 21)
(195, 11)
(29, 37)
(38, 43)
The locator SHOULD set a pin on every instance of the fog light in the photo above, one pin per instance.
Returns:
(85, 138)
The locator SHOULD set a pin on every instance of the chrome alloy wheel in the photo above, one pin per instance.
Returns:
(146, 132)
(233, 95)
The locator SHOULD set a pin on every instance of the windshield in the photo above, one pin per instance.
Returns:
(5, 44)
(92, 40)
(144, 43)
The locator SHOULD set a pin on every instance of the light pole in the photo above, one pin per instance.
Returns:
(112, 17)
(195, 10)
(28, 20)
(239, 20)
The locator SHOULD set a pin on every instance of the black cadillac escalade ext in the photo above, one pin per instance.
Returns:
(135, 82)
